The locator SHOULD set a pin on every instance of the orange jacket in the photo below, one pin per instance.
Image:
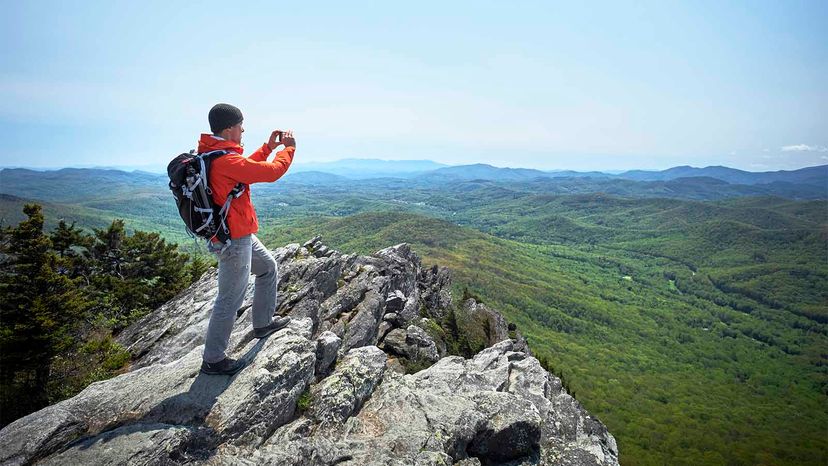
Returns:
(229, 169)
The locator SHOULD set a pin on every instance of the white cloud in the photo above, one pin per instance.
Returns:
(804, 148)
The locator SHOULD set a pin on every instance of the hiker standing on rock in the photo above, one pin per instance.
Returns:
(245, 254)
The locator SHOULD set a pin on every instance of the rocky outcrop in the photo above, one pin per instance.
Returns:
(412, 343)
(488, 326)
(330, 388)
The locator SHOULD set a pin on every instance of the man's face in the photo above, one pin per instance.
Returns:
(235, 134)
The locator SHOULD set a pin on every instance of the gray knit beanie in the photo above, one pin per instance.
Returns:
(224, 116)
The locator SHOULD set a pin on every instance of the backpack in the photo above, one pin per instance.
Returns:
(189, 175)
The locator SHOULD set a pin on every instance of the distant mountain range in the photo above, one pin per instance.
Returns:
(810, 175)
(481, 171)
(425, 170)
(370, 168)
(433, 171)
(77, 184)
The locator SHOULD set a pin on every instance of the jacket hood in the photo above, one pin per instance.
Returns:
(208, 142)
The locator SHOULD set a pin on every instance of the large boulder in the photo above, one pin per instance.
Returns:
(412, 343)
(485, 326)
(252, 403)
(327, 347)
(499, 407)
(434, 288)
(342, 393)
(135, 444)
(474, 408)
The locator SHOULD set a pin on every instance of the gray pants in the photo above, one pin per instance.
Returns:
(244, 256)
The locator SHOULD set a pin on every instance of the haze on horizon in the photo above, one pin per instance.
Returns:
(644, 85)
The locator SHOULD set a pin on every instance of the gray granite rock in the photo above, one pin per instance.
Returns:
(264, 395)
(323, 251)
(412, 343)
(492, 326)
(402, 266)
(383, 329)
(327, 346)
(133, 445)
(311, 243)
(362, 328)
(511, 429)
(421, 344)
(347, 296)
(342, 393)
(471, 408)
(395, 301)
(393, 318)
(434, 288)
(175, 393)
(319, 392)
(394, 342)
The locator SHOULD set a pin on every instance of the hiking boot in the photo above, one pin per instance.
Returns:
(278, 322)
(226, 366)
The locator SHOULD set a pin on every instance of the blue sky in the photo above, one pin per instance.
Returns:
(547, 85)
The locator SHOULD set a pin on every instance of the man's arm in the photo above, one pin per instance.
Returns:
(261, 153)
(283, 160)
(256, 168)
(277, 138)
(249, 171)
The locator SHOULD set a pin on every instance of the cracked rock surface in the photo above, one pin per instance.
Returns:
(327, 389)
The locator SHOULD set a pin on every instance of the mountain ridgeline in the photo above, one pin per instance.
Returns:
(686, 310)
(807, 183)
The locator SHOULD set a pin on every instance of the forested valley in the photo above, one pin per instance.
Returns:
(694, 324)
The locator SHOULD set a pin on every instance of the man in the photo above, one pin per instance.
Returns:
(245, 254)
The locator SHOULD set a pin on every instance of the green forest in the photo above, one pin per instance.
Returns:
(696, 330)
(65, 294)
(681, 371)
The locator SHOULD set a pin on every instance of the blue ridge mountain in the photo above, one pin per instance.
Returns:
(811, 175)
(369, 168)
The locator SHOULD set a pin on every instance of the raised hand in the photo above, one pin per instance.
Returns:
(287, 139)
(274, 140)
(279, 137)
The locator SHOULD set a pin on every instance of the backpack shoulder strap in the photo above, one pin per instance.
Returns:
(212, 154)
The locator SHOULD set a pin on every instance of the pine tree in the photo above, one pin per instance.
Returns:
(135, 274)
(64, 296)
(158, 264)
(39, 312)
(106, 249)
(197, 267)
(64, 237)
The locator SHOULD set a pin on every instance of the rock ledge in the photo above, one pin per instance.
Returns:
(331, 388)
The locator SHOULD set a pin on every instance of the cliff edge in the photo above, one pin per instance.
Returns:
(378, 367)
